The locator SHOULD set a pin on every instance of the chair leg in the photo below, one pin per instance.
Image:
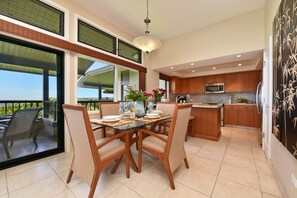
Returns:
(94, 184)
(169, 174)
(140, 152)
(104, 132)
(6, 150)
(127, 165)
(35, 142)
(186, 163)
(115, 167)
(69, 176)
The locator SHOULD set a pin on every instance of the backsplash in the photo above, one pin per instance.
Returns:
(218, 98)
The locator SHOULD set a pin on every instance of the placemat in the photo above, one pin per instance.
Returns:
(111, 124)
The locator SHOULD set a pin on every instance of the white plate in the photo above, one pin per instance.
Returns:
(149, 117)
(96, 120)
(111, 117)
(158, 112)
(153, 115)
(109, 120)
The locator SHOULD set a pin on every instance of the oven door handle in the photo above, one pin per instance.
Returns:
(257, 98)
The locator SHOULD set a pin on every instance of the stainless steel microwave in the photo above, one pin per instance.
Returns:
(214, 88)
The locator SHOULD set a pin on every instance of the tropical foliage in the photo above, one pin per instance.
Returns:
(159, 93)
(134, 95)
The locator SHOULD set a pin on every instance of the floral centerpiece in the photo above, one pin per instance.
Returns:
(138, 97)
(158, 94)
(135, 95)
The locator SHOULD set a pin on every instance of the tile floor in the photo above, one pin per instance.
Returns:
(233, 167)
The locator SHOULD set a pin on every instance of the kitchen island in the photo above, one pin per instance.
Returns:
(207, 123)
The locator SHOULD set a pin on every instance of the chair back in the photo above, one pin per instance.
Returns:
(176, 135)
(21, 123)
(84, 144)
(166, 107)
(109, 108)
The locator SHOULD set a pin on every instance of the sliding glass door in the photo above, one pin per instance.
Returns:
(31, 95)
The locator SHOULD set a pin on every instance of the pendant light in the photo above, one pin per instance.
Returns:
(146, 42)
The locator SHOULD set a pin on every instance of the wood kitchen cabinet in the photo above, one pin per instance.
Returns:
(243, 115)
(254, 79)
(196, 85)
(174, 85)
(215, 79)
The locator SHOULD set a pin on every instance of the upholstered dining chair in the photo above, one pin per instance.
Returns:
(169, 149)
(167, 108)
(92, 156)
(106, 109)
(20, 126)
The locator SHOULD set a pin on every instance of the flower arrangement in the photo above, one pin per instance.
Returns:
(159, 93)
(134, 95)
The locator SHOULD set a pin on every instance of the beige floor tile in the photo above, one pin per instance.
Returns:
(191, 150)
(65, 194)
(149, 183)
(49, 187)
(124, 192)
(228, 189)
(74, 180)
(106, 185)
(24, 167)
(239, 175)
(263, 168)
(265, 195)
(61, 164)
(30, 176)
(246, 164)
(214, 147)
(197, 180)
(59, 156)
(3, 183)
(268, 185)
(211, 155)
(120, 174)
(205, 165)
(245, 153)
(181, 191)
(224, 140)
(4, 196)
(198, 142)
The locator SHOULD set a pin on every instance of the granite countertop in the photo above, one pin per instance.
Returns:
(201, 105)
(240, 104)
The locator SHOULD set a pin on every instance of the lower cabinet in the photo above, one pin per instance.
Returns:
(243, 115)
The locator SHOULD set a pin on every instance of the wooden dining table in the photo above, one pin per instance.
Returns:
(132, 126)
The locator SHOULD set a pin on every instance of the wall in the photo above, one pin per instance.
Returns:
(282, 162)
(239, 34)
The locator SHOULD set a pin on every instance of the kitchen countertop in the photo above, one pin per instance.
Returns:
(201, 105)
(240, 104)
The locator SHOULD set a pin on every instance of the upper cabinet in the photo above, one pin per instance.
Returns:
(215, 79)
(234, 82)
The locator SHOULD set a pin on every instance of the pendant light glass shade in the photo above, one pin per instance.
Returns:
(147, 43)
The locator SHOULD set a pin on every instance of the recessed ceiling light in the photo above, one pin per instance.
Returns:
(171, 67)
(214, 68)
(193, 71)
(238, 56)
(191, 64)
(239, 64)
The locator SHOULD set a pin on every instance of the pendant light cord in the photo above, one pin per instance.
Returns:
(147, 20)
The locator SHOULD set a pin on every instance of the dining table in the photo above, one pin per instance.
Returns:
(132, 126)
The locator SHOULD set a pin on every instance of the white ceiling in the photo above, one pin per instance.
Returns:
(170, 18)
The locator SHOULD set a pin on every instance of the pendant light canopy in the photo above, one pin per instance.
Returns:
(146, 42)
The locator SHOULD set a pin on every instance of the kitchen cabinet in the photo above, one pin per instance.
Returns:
(215, 79)
(174, 85)
(196, 85)
(242, 81)
(243, 115)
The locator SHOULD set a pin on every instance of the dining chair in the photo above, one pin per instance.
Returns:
(106, 109)
(92, 156)
(167, 108)
(20, 126)
(170, 149)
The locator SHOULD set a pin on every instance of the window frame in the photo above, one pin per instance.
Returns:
(133, 47)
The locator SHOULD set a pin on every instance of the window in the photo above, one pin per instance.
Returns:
(92, 36)
(95, 83)
(35, 13)
(128, 51)
(164, 84)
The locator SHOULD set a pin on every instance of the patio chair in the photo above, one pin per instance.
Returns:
(91, 156)
(170, 149)
(20, 126)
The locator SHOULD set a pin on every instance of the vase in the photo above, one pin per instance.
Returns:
(139, 108)
(157, 99)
